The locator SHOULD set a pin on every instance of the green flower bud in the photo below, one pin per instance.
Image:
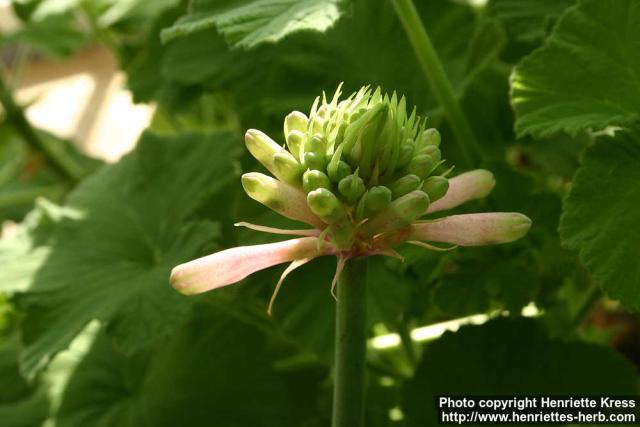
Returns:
(313, 160)
(421, 165)
(435, 187)
(326, 205)
(287, 168)
(430, 137)
(377, 199)
(400, 213)
(296, 141)
(349, 148)
(295, 121)
(314, 179)
(406, 153)
(432, 151)
(404, 185)
(279, 196)
(340, 171)
(317, 124)
(261, 147)
(317, 144)
(351, 187)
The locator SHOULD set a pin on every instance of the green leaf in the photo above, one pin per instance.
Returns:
(21, 404)
(37, 35)
(511, 357)
(527, 20)
(273, 79)
(111, 248)
(587, 75)
(216, 370)
(602, 213)
(248, 23)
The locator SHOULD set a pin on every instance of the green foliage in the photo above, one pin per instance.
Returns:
(159, 387)
(527, 20)
(562, 86)
(511, 357)
(602, 211)
(114, 244)
(249, 23)
(91, 332)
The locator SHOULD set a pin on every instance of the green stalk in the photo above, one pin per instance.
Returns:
(29, 195)
(437, 78)
(55, 155)
(351, 345)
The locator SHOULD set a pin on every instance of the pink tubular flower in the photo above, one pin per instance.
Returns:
(364, 174)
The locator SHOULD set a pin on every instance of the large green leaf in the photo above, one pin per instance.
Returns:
(602, 213)
(586, 76)
(367, 47)
(527, 20)
(111, 248)
(215, 371)
(248, 23)
(507, 357)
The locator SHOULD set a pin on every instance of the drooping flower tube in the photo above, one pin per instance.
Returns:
(365, 175)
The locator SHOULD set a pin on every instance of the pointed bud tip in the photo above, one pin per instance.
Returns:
(179, 280)
(516, 225)
(485, 181)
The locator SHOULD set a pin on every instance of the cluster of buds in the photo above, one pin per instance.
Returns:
(362, 172)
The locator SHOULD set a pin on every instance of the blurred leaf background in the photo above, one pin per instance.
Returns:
(91, 332)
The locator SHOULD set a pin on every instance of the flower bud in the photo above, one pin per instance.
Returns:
(376, 199)
(351, 187)
(287, 168)
(317, 144)
(296, 141)
(261, 147)
(406, 152)
(435, 187)
(339, 171)
(314, 179)
(400, 213)
(430, 150)
(295, 121)
(317, 123)
(405, 185)
(421, 165)
(430, 137)
(325, 205)
(280, 197)
(313, 160)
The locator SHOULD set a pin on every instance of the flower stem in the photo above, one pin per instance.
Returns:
(437, 78)
(351, 345)
(55, 155)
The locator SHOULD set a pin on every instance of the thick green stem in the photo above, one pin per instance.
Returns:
(351, 345)
(437, 78)
(55, 155)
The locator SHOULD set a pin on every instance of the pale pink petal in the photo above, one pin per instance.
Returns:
(473, 229)
(232, 265)
(463, 188)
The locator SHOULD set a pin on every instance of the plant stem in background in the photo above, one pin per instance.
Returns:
(591, 298)
(351, 345)
(437, 78)
(55, 155)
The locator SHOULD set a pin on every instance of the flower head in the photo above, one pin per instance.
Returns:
(362, 172)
